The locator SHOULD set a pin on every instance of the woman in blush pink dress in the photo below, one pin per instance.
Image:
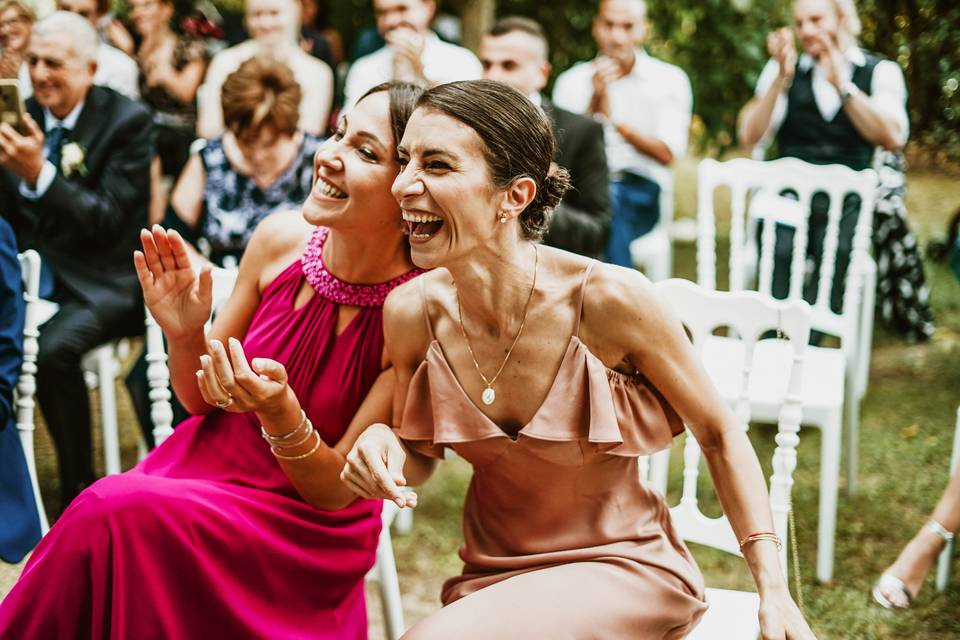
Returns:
(212, 535)
(551, 374)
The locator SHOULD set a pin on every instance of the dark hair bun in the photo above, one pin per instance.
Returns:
(535, 219)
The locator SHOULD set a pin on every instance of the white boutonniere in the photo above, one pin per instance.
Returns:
(71, 160)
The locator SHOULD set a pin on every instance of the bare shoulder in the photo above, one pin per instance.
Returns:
(620, 305)
(405, 323)
(277, 240)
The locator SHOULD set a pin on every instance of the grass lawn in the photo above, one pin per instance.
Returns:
(906, 434)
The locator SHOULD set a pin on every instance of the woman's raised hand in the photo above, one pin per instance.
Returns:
(179, 300)
(374, 467)
(229, 382)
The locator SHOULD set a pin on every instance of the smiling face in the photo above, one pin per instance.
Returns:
(60, 78)
(411, 14)
(353, 171)
(14, 29)
(447, 197)
(272, 21)
(813, 19)
(148, 16)
(83, 8)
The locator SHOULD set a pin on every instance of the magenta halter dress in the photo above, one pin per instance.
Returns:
(206, 538)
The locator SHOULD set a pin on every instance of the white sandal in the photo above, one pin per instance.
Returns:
(899, 596)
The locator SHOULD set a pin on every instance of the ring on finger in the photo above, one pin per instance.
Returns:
(223, 404)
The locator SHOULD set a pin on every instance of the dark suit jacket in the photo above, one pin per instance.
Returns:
(581, 221)
(87, 226)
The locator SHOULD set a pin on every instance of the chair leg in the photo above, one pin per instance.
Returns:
(829, 488)
(660, 471)
(946, 556)
(107, 367)
(853, 432)
(389, 584)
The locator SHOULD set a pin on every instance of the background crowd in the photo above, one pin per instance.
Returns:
(208, 124)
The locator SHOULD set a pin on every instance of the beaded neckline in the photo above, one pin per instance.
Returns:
(334, 289)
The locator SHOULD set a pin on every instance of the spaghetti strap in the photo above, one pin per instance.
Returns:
(583, 288)
(423, 300)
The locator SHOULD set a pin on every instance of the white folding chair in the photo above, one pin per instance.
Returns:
(834, 378)
(384, 572)
(27, 382)
(653, 251)
(158, 373)
(946, 556)
(733, 614)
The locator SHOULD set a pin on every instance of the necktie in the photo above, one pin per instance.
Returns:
(55, 139)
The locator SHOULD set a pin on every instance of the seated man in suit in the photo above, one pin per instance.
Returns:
(75, 184)
(514, 52)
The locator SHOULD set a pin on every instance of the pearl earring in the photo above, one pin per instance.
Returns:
(503, 217)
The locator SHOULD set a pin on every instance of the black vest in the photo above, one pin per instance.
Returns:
(806, 135)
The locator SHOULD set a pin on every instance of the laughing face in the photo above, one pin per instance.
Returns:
(447, 198)
(353, 171)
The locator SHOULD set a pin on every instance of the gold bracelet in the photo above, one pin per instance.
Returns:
(756, 537)
(269, 437)
(312, 451)
(292, 445)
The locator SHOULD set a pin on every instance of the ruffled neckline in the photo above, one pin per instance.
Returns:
(332, 288)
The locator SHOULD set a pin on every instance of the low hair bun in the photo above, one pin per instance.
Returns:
(535, 219)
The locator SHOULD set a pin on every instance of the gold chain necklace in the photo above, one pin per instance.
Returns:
(489, 395)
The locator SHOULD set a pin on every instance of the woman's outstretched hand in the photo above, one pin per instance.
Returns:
(179, 299)
(227, 381)
(780, 619)
(374, 467)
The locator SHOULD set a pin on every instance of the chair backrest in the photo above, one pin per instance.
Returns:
(158, 374)
(27, 381)
(748, 315)
(747, 179)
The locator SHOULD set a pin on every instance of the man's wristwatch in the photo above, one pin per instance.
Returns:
(847, 91)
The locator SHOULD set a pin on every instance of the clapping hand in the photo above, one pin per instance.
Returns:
(606, 70)
(179, 300)
(22, 154)
(407, 46)
(374, 467)
(229, 382)
(783, 49)
(831, 60)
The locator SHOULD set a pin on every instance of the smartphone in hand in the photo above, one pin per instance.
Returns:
(11, 104)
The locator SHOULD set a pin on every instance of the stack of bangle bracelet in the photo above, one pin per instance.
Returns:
(292, 439)
(755, 537)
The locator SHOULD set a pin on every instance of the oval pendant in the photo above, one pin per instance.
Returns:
(488, 396)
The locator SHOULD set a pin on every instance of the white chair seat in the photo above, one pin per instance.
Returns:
(821, 387)
(733, 615)
(652, 253)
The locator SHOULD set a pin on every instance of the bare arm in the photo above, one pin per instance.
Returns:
(754, 118)
(187, 196)
(622, 313)
(182, 84)
(647, 145)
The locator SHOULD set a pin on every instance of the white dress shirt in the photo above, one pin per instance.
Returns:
(115, 70)
(442, 62)
(888, 92)
(653, 99)
(48, 172)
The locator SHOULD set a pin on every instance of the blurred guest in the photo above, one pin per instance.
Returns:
(115, 69)
(18, 509)
(273, 26)
(836, 104)
(645, 105)
(16, 19)
(413, 52)
(263, 162)
(171, 69)
(76, 187)
(515, 52)
(316, 37)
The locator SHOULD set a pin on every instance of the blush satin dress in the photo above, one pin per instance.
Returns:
(561, 537)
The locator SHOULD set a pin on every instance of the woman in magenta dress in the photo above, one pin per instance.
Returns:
(209, 537)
